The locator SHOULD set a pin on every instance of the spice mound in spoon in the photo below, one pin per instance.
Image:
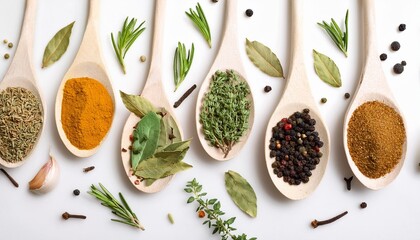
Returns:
(87, 112)
(21, 121)
(225, 111)
(375, 138)
(295, 145)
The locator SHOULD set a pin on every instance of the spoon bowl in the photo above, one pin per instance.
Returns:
(21, 72)
(88, 63)
(296, 97)
(373, 86)
(154, 92)
(228, 57)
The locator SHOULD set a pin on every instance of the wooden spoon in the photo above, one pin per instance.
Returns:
(228, 57)
(154, 92)
(296, 97)
(21, 72)
(88, 63)
(373, 86)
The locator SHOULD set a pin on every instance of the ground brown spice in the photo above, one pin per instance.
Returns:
(375, 138)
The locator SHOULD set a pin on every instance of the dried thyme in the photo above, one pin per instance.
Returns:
(225, 111)
(20, 123)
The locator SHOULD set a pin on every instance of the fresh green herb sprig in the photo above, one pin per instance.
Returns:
(122, 209)
(125, 39)
(182, 63)
(225, 111)
(199, 19)
(212, 208)
(339, 37)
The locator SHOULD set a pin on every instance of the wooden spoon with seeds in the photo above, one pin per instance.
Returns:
(154, 92)
(296, 97)
(228, 57)
(373, 86)
(88, 63)
(21, 72)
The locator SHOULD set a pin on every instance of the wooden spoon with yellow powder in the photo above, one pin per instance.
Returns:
(84, 107)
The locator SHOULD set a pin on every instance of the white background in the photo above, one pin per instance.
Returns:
(392, 213)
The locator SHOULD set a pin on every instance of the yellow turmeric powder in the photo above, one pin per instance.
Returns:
(87, 112)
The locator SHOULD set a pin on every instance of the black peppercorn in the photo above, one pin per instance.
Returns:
(267, 89)
(398, 68)
(401, 27)
(76, 192)
(249, 12)
(215, 1)
(395, 46)
(363, 205)
(404, 63)
(347, 95)
(383, 56)
(323, 100)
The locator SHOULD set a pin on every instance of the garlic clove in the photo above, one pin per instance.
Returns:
(46, 178)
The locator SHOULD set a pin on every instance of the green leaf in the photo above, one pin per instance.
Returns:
(326, 69)
(146, 136)
(178, 146)
(137, 104)
(57, 46)
(264, 58)
(163, 135)
(241, 192)
(157, 168)
(190, 200)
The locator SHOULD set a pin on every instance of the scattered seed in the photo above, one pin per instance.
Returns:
(137, 182)
(201, 214)
(395, 46)
(404, 63)
(267, 89)
(88, 169)
(347, 95)
(401, 27)
(398, 68)
(123, 150)
(76, 192)
(383, 56)
(143, 58)
(5, 41)
(171, 218)
(10, 45)
(249, 12)
(6, 56)
(323, 100)
(215, 1)
(363, 205)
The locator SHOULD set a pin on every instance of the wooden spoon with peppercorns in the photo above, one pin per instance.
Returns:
(228, 58)
(297, 97)
(372, 86)
(21, 72)
(154, 92)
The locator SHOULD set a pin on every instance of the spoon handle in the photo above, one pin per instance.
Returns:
(155, 73)
(297, 83)
(369, 30)
(24, 67)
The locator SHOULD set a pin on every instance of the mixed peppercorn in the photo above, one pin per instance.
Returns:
(295, 145)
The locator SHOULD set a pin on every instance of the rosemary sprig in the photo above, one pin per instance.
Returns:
(199, 19)
(122, 209)
(339, 37)
(126, 37)
(182, 63)
(212, 209)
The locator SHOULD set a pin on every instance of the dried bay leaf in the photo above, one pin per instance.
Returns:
(156, 168)
(241, 192)
(264, 58)
(146, 136)
(326, 69)
(137, 104)
(57, 46)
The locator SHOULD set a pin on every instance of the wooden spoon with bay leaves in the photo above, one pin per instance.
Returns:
(21, 72)
(154, 92)
(88, 63)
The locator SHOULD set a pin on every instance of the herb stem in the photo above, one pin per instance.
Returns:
(339, 37)
(199, 19)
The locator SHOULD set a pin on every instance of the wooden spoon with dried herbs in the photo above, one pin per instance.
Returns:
(88, 63)
(296, 97)
(225, 78)
(18, 89)
(147, 148)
